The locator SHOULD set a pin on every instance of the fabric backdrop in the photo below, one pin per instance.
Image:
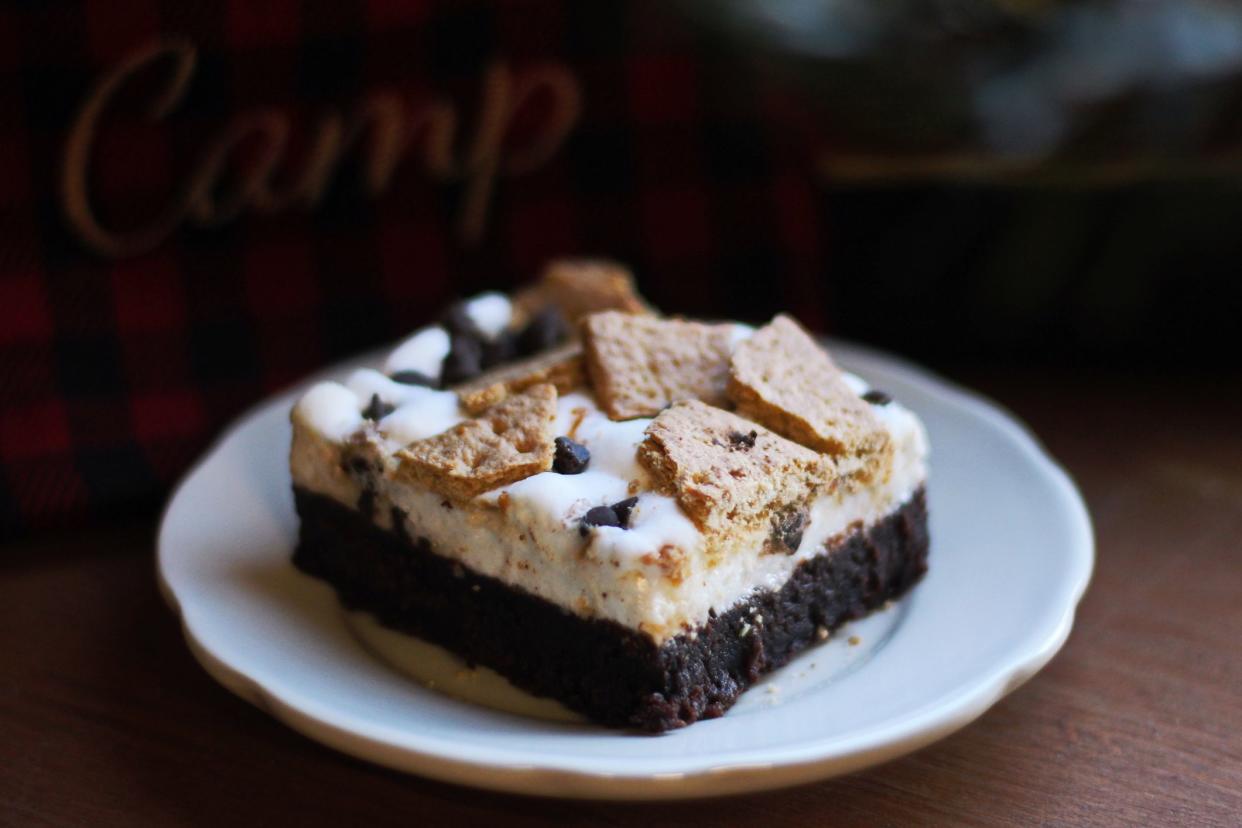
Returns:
(202, 202)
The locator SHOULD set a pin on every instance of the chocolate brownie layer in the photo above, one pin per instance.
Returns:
(607, 672)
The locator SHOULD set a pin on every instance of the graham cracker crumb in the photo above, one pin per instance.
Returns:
(506, 443)
(671, 562)
(579, 414)
(577, 287)
(561, 366)
(782, 378)
(723, 486)
(640, 365)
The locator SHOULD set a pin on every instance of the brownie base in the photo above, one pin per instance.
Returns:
(609, 673)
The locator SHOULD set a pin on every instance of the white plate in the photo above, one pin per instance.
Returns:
(1011, 556)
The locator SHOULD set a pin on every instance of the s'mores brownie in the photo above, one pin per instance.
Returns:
(637, 516)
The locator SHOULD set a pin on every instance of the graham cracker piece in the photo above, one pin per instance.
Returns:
(577, 287)
(508, 442)
(727, 473)
(782, 378)
(561, 366)
(639, 365)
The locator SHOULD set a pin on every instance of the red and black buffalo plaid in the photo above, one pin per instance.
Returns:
(201, 202)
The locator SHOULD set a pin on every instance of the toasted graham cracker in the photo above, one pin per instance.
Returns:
(638, 365)
(561, 366)
(507, 443)
(577, 287)
(727, 473)
(782, 378)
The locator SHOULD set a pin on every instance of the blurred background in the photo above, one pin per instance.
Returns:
(202, 202)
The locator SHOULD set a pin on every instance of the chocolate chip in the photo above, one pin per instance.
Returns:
(598, 516)
(457, 321)
(623, 509)
(464, 360)
(545, 329)
(570, 457)
(499, 350)
(412, 378)
(377, 409)
(618, 514)
(787, 529)
(877, 397)
(491, 351)
(743, 441)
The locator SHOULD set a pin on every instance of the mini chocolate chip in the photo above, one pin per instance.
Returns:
(499, 350)
(456, 320)
(377, 409)
(877, 397)
(570, 457)
(623, 509)
(464, 360)
(787, 529)
(598, 516)
(743, 441)
(412, 378)
(545, 329)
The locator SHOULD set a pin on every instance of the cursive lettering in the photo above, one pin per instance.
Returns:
(239, 166)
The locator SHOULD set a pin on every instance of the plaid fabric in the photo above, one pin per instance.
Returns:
(116, 369)
(201, 202)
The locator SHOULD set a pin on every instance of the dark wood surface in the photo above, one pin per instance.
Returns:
(106, 719)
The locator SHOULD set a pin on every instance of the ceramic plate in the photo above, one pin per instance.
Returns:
(1011, 556)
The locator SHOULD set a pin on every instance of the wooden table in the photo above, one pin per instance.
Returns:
(106, 719)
